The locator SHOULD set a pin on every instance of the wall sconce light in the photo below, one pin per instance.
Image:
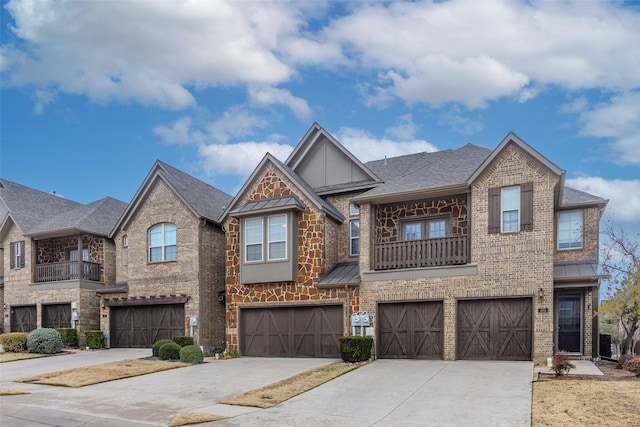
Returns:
(541, 292)
(5, 306)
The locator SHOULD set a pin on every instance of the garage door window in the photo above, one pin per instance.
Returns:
(162, 243)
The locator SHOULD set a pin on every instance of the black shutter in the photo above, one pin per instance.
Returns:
(22, 254)
(526, 206)
(494, 210)
(12, 255)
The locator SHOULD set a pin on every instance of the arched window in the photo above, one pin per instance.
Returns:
(162, 243)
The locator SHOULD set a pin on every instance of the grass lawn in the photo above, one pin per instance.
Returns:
(568, 402)
(10, 392)
(95, 374)
(275, 393)
(186, 418)
(10, 357)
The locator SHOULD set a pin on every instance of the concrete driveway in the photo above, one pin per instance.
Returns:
(383, 393)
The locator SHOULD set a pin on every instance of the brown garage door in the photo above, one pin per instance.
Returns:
(498, 329)
(410, 330)
(56, 316)
(23, 318)
(308, 331)
(141, 326)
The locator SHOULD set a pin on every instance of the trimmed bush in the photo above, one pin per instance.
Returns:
(183, 341)
(95, 339)
(69, 336)
(156, 346)
(355, 348)
(169, 351)
(191, 354)
(14, 342)
(44, 341)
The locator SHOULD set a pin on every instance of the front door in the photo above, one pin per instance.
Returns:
(569, 318)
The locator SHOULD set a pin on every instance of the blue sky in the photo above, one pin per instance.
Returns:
(93, 92)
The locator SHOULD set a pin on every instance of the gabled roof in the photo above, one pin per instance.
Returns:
(357, 176)
(28, 207)
(575, 198)
(202, 199)
(269, 205)
(413, 173)
(95, 218)
(318, 201)
(40, 214)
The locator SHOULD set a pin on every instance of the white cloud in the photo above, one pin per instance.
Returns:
(265, 96)
(42, 98)
(619, 121)
(459, 123)
(366, 147)
(239, 158)
(623, 196)
(578, 105)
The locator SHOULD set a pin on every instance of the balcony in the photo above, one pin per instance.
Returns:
(67, 270)
(421, 253)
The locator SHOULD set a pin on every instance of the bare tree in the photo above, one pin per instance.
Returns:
(621, 262)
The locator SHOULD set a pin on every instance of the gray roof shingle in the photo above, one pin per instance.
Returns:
(573, 197)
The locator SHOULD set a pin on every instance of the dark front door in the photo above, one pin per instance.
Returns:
(307, 331)
(411, 330)
(495, 329)
(56, 316)
(569, 318)
(141, 326)
(23, 318)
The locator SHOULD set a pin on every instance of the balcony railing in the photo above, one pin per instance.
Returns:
(421, 253)
(67, 270)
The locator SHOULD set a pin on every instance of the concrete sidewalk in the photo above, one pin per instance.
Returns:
(582, 367)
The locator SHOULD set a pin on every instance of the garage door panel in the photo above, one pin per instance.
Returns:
(410, 330)
(56, 315)
(141, 326)
(303, 331)
(498, 329)
(23, 318)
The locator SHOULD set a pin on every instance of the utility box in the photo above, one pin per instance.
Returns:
(365, 319)
(355, 319)
(193, 321)
(74, 315)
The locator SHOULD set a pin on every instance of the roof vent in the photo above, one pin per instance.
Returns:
(385, 161)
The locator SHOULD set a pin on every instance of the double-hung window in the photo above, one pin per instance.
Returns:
(570, 230)
(162, 243)
(253, 239)
(274, 238)
(510, 209)
(16, 254)
(354, 230)
(277, 235)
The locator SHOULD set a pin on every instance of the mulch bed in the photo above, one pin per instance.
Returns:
(609, 369)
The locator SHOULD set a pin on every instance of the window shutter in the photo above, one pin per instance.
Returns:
(12, 255)
(22, 254)
(494, 210)
(526, 206)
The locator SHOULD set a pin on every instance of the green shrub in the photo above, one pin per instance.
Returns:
(14, 342)
(95, 338)
(561, 363)
(169, 351)
(191, 354)
(355, 348)
(183, 341)
(69, 336)
(44, 341)
(156, 346)
(632, 364)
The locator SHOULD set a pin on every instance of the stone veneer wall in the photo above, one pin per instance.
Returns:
(313, 231)
(342, 231)
(389, 218)
(146, 279)
(515, 264)
(55, 250)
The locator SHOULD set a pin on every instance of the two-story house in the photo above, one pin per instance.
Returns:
(56, 255)
(459, 254)
(169, 253)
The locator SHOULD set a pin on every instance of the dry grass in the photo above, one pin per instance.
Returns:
(88, 375)
(273, 394)
(585, 403)
(10, 357)
(10, 392)
(186, 418)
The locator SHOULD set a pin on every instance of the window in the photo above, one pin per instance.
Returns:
(125, 241)
(354, 209)
(425, 229)
(570, 230)
(253, 239)
(72, 254)
(354, 237)
(277, 237)
(16, 253)
(510, 209)
(162, 243)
